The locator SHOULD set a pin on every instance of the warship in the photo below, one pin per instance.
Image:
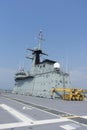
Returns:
(21, 112)
(42, 76)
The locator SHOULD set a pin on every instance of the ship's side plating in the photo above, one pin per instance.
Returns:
(41, 77)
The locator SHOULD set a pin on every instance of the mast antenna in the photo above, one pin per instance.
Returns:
(40, 38)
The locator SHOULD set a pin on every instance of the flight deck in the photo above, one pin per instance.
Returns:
(19, 112)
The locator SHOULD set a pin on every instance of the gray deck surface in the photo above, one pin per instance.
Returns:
(19, 112)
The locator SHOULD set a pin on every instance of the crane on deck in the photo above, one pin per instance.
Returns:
(69, 94)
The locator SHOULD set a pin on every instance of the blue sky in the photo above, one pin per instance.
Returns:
(64, 26)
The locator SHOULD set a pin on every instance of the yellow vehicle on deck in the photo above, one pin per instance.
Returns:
(69, 93)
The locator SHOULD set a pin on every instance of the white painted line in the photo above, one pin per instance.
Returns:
(67, 127)
(24, 124)
(50, 121)
(13, 125)
(16, 113)
(85, 117)
(26, 108)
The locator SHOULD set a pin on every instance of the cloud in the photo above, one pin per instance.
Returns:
(6, 78)
(79, 77)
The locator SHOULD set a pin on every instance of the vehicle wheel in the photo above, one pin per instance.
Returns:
(73, 98)
(81, 98)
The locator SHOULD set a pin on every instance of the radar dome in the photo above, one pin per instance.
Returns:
(56, 65)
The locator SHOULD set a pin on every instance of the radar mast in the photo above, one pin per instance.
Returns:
(40, 38)
(36, 52)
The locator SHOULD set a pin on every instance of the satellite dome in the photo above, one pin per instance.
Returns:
(56, 65)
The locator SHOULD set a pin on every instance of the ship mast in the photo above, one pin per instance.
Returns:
(36, 52)
(40, 38)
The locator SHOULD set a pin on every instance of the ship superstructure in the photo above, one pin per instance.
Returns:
(42, 76)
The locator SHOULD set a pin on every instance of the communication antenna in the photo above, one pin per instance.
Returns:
(40, 39)
(67, 64)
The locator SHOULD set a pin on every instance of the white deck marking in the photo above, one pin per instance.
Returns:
(67, 127)
(25, 124)
(16, 113)
(50, 121)
(25, 120)
(85, 117)
(13, 125)
(70, 126)
(26, 108)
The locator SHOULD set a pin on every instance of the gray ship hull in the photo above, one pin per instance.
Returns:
(41, 84)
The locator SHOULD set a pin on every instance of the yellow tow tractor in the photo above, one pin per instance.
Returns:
(69, 93)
